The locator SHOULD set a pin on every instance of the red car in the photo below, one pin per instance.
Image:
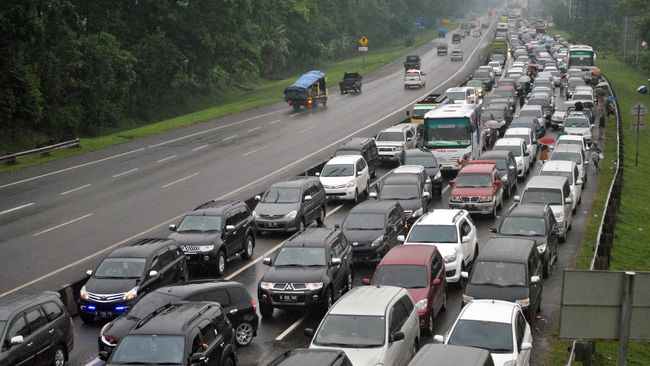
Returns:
(421, 270)
(477, 188)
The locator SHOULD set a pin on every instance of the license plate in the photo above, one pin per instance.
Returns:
(289, 298)
(272, 224)
(105, 314)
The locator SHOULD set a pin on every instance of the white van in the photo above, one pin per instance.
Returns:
(529, 137)
(555, 192)
(517, 146)
(568, 169)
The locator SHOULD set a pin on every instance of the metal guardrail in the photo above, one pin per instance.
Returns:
(13, 158)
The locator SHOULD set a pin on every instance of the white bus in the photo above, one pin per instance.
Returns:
(582, 57)
(452, 133)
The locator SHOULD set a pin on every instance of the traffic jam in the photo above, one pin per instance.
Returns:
(431, 240)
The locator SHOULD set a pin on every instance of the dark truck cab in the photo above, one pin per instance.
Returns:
(442, 49)
(412, 62)
(351, 83)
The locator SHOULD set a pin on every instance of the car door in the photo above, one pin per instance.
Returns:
(397, 352)
(222, 296)
(576, 180)
(19, 354)
(410, 139)
(437, 292)
(568, 207)
(394, 227)
(167, 272)
(522, 335)
(232, 239)
(337, 273)
(553, 238)
(310, 207)
(40, 337)
(468, 248)
(535, 269)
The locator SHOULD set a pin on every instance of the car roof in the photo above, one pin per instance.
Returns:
(312, 237)
(518, 131)
(186, 289)
(174, 318)
(419, 152)
(496, 154)
(528, 210)
(558, 166)
(295, 182)
(504, 249)
(214, 207)
(447, 354)
(531, 106)
(355, 142)
(367, 300)
(141, 248)
(416, 255)
(344, 159)
(373, 206)
(568, 148)
(408, 169)
(441, 216)
(396, 128)
(309, 356)
(401, 178)
(545, 181)
(509, 141)
(571, 137)
(478, 166)
(489, 310)
(18, 301)
(457, 89)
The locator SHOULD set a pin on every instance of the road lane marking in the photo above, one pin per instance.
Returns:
(291, 328)
(74, 189)
(180, 180)
(16, 208)
(165, 159)
(293, 115)
(95, 362)
(125, 173)
(276, 121)
(445, 189)
(254, 151)
(307, 129)
(200, 147)
(229, 138)
(70, 168)
(64, 224)
(254, 128)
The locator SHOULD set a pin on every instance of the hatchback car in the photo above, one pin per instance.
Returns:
(345, 177)
(577, 124)
(497, 326)
(421, 270)
(529, 136)
(517, 146)
(372, 325)
(414, 79)
(425, 158)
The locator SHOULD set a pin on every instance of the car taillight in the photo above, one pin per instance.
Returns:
(254, 304)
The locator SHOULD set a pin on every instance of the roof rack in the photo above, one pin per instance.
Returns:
(147, 241)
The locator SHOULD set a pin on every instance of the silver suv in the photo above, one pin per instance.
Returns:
(393, 141)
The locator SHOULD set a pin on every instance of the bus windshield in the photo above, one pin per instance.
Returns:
(447, 132)
(581, 58)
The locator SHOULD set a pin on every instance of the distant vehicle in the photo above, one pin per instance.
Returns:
(442, 49)
(345, 177)
(428, 103)
(414, 79)
(442, 33)
(462, 95)
(476, 33)
(496, 67)
(456, 38)
(412, 62)
(309, 90)
(351, 83)
(581, 56)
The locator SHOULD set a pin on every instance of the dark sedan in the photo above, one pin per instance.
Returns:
(425, 158)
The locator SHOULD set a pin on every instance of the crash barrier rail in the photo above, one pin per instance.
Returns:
(13, 158)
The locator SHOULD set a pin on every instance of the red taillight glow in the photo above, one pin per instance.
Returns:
(254, 304)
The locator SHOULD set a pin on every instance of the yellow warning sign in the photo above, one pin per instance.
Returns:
(363, 41)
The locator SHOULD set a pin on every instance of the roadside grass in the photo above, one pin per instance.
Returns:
(261, 93)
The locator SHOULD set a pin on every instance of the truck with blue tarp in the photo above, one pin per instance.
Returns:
(309, 90)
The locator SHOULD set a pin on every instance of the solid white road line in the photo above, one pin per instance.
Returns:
(254, 151)
(70, 168)
(74, 189)
(274, 122)
(254, 128)
(165, 159)
(229, 138)
(95, 362)
(180, 180)
(293, 115)
(200, 147)
(445, 189)
(125, 173)
(64, 224)
(16, 208)
(290, 329)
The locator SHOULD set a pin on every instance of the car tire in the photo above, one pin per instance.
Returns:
(546, 269)
(249, 247)
(329, 300)
(228, 362)
(266, 311)
(366, 193)
(350, 281)
(301, 225)
(443, 308)
(356, 196)
(88, 319)
(220, 267)
(494, 211)
(320, 220)
(429, 329)
(244, 334)
(58, 359)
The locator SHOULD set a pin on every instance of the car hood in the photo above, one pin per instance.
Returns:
(498, 293)
(195, 238)
(110, 285)
(362, 236)
(336, 181)
(120, 326)
(538, 239)
(472, 191)
(557, 209)
(276, 208)
(576, 130)
(359, 356)
(502, 358)
(294, 274)
(389, 143)
(418, 293)
(410, 205)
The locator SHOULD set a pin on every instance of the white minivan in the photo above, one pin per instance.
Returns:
(529, 137)
(568, 169)
(345, 177)
(517, 146)
(552, 191)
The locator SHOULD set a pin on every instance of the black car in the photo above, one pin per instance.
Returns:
(291, 205)
(408, 190)
(129, 272)
(363, 146)
(240, 309)
(35, 329)
(372, 228)
(183, 333)
(498, 112)
(531, 122)
(425, 157)
(536, 222)
(214, 232)
(320, 357)
(311, 269)
(485, 77)
(507, 167)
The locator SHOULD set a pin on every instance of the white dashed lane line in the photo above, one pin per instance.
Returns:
(165, 159)
(229, 138)
(64, 224)
(180, 180)
(74, 189)
(125, 173)
(16, 208)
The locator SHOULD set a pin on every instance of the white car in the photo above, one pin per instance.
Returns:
(494, 325)
(577, 124)
(573, 140)
(393, 141)
(568, 169)
(453, 233)
(462, 95)
(414, 79)
(346, 177)
(496, 67)
(529, 137)
(573, 153)
(517, 146)
(373, 325)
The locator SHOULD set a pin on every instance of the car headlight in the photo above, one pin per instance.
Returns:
(455, 199)
(524, 303)
(418, 212)
(377, 242)
(255, 215)
(313, 286)
(467, 299)
(266, 285)
(291, 215)
(520, 164)
(451, 258)
(83, 294)
(485, 199)
(560, 216)
(131, 294)
(510, 363)
(438, 176)
(350, 184)
(422, 305)
(541, 248)
(206, 248)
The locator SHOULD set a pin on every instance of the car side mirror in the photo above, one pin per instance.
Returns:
(465, 239)
(153, 273)
(401, 238)
(373, 195)
(366, 281)
(308, 332)
(568, 200)
(517, 199)
(436, 282)
(103, 355)
(258, 197)
(464, 274)
(397, 336)
(359, 174)
(526, 153)
(438, 339)
(198, 357)
(526, 346)
(267, 261)
(579, 182)
(426, 194)
(230, 227)
(408, 113)
(307, 198)
(335, 262)
(504, 179)
(17, 340)
(89, 272)
(172, 227)
(409, 139)
(512, 167)
(586, 163)
(317, 174)
(534, 279)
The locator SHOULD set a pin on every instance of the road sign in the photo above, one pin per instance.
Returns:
(363, 49)
(363, 41)
(639, 109)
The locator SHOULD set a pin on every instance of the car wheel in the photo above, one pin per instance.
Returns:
(221, 263)
(494, 211)
(249, 247)
(366, 194)
(563, 238)
(266, 311)
(444, 301)
(329, 300)
(87, 318)
(228, 362)
(244, 334)
(356, 196)
(301, 225)
(320, 220)
(350, 282)
(59, 357)
(429, 329)
(546, 270)
(416, 347)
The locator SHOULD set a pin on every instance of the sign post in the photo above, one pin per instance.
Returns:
(639, 110)
(363, 47)
(626, 319)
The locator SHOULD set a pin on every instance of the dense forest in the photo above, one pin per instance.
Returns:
(79, 67)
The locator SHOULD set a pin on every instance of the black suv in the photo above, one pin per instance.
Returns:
(507, 167)
(129, 272)
(407, 189)
(183, 333)
(304, 356)
(312, 268)
(214, 232)
(232, 296)
(372, 227)
(35, 329)
(425, 158)
(365, 147)
(291, 205)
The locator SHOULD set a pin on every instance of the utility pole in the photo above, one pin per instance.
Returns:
(625, 39)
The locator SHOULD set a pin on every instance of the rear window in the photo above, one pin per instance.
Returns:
(550, 196)
(390, 136)
(52, 311)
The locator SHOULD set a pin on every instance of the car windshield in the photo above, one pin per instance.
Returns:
(281, 195)
(481, 74)
(530, 113)
(351, 331)
(150, 349)
(502, 164)
(390, 136)
(456, 96)
(540, 102)
(300, 256)
(525, 137)
(556, 173)
(200, 223)
(491, 336)
(524, 226)
(412, 74)
(337, 170)
(364, 221)
(515, 149)
(500, 274)
(404, 276)
(473, 180)
(568, 156)
(576, 122)
(494, 63)
(399, 192)
(433, 234)
(425, 161)
(475, 84)
(150, 303)
(121, 268)
(549, 196)
(498, 58)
